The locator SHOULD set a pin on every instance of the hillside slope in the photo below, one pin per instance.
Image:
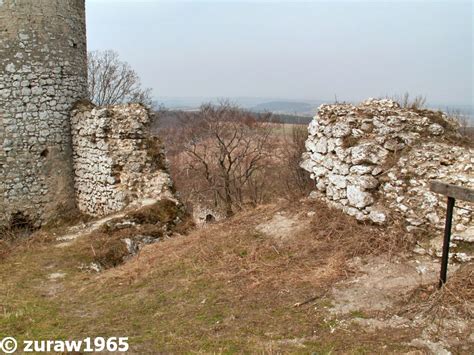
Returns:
(291, 278)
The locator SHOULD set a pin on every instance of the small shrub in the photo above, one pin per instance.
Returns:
(107, 247)
(405, 101)
(156, 153)
(349, 141)
(108, 252)
(65, 217)
(163, 212)
(18, 225)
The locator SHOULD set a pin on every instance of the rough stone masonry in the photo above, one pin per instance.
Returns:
(375, 160)
(52, 159)
(42, 73)
(116, 161)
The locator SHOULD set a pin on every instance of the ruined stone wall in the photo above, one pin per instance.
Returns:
(116, 162)
(375, 161)
(42, 73)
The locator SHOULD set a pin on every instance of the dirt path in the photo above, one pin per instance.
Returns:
(78, 231)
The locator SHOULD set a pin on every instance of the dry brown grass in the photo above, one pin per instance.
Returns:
(5, 248)
(224, 289)
(108, 250)
(107, 246)
(20, 234)
(162, 212)
(349, 141)
(455, 298)
(14, 229)
(314, 257)
(359, 239)
(156, 152)
(65, 218)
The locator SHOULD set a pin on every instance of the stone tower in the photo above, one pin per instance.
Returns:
(43, 72)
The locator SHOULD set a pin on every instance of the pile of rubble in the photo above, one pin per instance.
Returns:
(375, 162)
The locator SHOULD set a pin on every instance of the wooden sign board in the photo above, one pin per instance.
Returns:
(453, 192)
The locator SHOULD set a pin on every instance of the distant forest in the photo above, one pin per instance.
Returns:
(172, 118)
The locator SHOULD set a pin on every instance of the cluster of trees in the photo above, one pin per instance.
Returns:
(227, 157)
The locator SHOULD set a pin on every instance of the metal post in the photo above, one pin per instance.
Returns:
(447, 239)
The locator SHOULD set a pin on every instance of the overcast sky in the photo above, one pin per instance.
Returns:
(293, 50)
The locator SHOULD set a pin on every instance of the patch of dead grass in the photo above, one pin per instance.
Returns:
(352, 238)
(235, 252)
(224, 288)
(162, 212)
(65, 218)
(155, 151)
(107, 246)
(456, 297)
(108, 252)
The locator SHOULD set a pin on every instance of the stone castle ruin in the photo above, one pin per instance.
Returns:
(52, 158)
(116, 162)
(374, 161)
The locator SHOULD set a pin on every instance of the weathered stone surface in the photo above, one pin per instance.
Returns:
(116, 162)
(308, 164)
(394, 145)
(361, 169)
(365, 182)
(341, 130)
(339, 181)
(310, 146)
(390, 156)
(42, 73)
(436, 129)
(377, 217)
(368, 153)
(358, 197)
(321, 146)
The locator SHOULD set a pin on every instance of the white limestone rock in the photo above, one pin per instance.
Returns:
(339, 181)
(358, 197)
(368, 153)
(365, 182)
(378, 216)
(436, 129)
(361, 169)
(313, 126)
(310, 145)
(394, 145)
(308, 164)
(341, 130)
(418, 153)
(319, 171)
(321, 146)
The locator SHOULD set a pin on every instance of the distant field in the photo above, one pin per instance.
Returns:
(172, 118)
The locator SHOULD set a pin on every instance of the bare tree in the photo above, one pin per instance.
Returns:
(298, 181)
(227, 147)
(112, 81)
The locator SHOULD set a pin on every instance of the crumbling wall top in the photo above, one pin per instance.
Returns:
(375, 161)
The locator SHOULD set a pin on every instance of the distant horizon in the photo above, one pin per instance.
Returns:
(301, 99)
(292, 50)
(205, 99)
(285, 107)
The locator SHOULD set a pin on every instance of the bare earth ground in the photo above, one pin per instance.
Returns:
(274, 279)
